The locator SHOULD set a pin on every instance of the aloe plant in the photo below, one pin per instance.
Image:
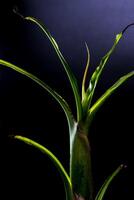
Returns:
(79, 182)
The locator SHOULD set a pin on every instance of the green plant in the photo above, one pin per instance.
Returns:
(78, 184)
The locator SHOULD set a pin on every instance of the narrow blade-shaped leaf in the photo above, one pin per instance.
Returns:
(85, 72)
(57, 163)
(103, 98)
(70, 75)
(96, 75)
(107, 182)
(58, 98)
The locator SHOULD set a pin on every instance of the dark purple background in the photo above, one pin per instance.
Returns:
(28, 110)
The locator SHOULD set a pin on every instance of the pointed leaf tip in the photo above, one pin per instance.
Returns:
(85, 72)
(107, 182)
(16, 11)
(66, 66)
(125, 29)
(54, 159)
(109, 92)
(98, 71)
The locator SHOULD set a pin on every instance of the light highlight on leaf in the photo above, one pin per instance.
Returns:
(70, 75)
(96, 75)
(57, 163)
(60, 100)
(103, 98)
(107, 182)
(85, 72)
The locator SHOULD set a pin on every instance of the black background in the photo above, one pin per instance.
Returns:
(29, 111)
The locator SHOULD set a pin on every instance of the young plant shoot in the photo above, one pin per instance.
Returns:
(79, 183)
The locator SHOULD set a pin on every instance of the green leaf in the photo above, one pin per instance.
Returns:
(103, 98)
(85, 72)
(58, 98)
(57, 163)
(96, 75)
(70, 75)
(107, 182)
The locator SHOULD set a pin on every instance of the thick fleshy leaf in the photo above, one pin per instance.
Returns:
(107, 182)
(85, 72)
(57, 163)
(59, 99)
(103, 98)
(96, 75)
(70, 75)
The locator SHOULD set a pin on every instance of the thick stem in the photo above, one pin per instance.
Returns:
(80, 165)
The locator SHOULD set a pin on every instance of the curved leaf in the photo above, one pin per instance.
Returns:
(85, 72)
(103, 98)
(96, 75)
(70, 75)
(57, 163)
(107, 182)
(59, 99)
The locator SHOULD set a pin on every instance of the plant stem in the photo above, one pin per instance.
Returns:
(80, 164)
